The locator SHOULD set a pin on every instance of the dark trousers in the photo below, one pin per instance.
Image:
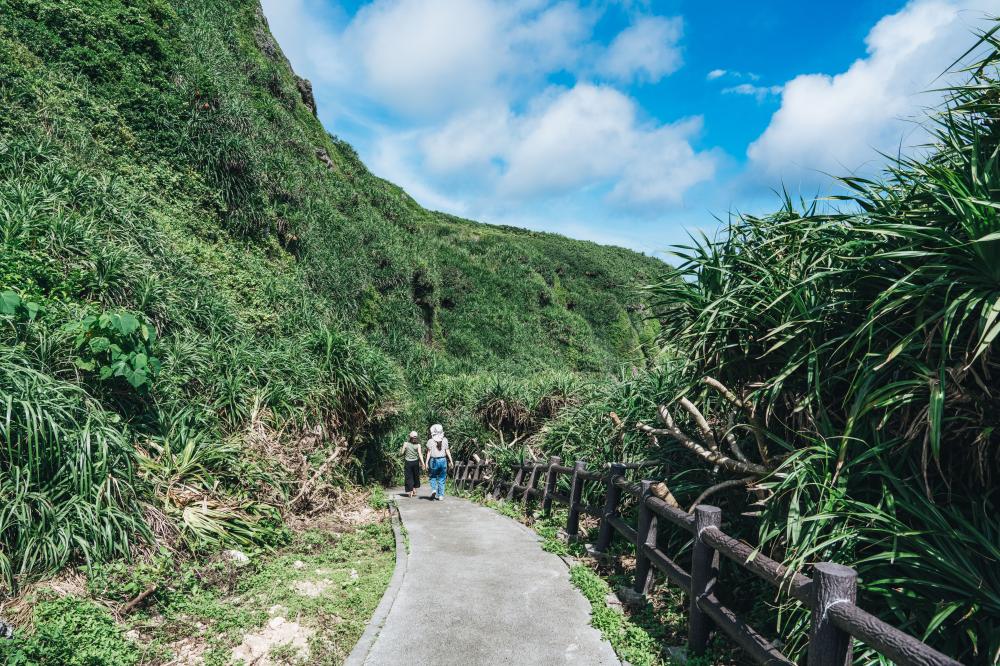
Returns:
(411, 474)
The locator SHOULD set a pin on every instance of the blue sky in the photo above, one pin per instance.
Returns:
(625, 122)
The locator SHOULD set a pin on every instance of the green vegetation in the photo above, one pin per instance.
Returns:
(70, 632)
(843, 361)
(630, 642)
(213, 316)
(204, 297)
(319, 590)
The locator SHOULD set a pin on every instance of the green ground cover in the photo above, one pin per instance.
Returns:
(308, 602)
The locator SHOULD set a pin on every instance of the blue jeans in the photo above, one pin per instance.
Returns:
(438, 471)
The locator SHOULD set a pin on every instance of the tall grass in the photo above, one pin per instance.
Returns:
(67, 483)
(866, 342)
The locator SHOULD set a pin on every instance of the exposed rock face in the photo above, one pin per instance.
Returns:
(262, 36)
(306, 91)
(269, 47)
(324, 157)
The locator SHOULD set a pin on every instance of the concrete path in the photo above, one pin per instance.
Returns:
(479, 589)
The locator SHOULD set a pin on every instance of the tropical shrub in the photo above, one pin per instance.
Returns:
(67, 486)
(17, 308)
(116, 346)
(861, 343)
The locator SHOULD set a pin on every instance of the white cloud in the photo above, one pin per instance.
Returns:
(591, 135)
(579, 138)
(646, 51)
(837, 123)
(393, 159)
(422, 58)
(664, 167)
(573, 139)
(453, 100)
(413, 59)
(468, 143)
(760, 92)
(551, 39)
(731, 74)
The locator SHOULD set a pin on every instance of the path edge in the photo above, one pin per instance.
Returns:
(364, 645)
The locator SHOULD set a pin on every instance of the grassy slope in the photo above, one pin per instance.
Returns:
(159, 160)
(214, 153)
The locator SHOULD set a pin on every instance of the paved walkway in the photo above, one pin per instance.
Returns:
(479, 589)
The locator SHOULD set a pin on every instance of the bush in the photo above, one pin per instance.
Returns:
(116, 346)
(66, 475)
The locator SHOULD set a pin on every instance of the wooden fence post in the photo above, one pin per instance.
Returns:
(828, 645)
(704, 572)
(575, 493)
(610, 508)
(644, 535)
(550, 485)
(460, 475)
(477, 474)
(532, 483)
(517, 481)
(493, 485)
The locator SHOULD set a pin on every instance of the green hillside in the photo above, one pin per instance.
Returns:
(198, 279)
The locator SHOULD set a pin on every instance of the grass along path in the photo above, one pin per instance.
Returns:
(306, 603)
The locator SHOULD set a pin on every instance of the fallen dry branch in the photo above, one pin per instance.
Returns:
(754, 426)
(734, 445)
(708, 448)
(660, 489)
(139, 598)
(308, 486)
(706, 430)
(714, 457)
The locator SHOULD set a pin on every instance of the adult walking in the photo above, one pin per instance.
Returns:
(437, 461)
(412, 461)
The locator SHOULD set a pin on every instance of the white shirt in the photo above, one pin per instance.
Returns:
(432, 446)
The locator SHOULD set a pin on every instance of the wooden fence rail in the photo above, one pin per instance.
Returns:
(829, 594)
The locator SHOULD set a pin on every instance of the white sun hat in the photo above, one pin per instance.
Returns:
(437, 432)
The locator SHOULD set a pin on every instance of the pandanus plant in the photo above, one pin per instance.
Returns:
(861, 344)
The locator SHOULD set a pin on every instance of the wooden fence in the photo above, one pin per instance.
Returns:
(830, 593)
